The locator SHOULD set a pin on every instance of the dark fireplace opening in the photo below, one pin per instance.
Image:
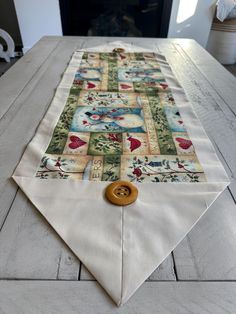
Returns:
(118, 18)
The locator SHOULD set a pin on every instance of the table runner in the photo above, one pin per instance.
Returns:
(120, 115)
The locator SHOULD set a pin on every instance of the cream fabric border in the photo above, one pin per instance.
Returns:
(120, 246)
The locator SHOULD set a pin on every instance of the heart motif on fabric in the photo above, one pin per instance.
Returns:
(124, 86)
(91, 85)
(76, 142)
(183, 143)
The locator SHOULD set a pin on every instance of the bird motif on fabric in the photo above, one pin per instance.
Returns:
(125, 86)
(134, 143)
(163, 85)
(90, 85)
(183, 143)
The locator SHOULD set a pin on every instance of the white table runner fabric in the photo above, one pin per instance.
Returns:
(120, 246)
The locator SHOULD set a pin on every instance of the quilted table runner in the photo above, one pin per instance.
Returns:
(120, 115)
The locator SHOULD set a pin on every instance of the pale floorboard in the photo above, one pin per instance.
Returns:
(40, 297)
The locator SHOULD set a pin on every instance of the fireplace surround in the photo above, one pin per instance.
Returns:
(125, 18)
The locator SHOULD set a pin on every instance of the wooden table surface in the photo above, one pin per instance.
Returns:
(38, 272)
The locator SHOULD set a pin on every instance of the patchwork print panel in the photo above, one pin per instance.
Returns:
(120, 121)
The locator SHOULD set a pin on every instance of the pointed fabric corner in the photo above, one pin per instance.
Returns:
(91, 230)
(152, 230)
(120, 246)
(120, 115)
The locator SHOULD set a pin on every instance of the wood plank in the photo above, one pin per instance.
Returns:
(216, 75)
(209, 107)
(11, 85)
(40, 297)
(20, 123)
(31, 106)
(209, 252)
(85, 275)
(207, 103)
(8, 190)
(29, 247)
(214, 72)
(232, 189)
(69, 265)
(164, 272)
(14, 81)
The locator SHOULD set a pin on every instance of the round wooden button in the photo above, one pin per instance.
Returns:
(121, 193)
(118, 50)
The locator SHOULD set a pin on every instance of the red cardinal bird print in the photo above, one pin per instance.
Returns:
(134, 143)
(76, 142)
(125, 86)
(90, 85)
(164, 86)
(183, 143)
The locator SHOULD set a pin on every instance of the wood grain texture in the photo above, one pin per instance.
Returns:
(213, 71)
(208, 252)
(68, 265)
(220, 124)
(165, 272)
(88, 297)
(23, 71)
(20, 125)
(30, 249)
(217, 118)
(29, 246)
(212, 93)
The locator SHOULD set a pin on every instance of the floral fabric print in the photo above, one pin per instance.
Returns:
(120, 121)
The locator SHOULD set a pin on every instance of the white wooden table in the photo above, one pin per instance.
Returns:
(38, 272)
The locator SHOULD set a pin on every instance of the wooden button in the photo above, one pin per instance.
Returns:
(121, 193)
(118, 50)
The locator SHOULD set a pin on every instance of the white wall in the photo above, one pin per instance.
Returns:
(37, 18)
(192, 19)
